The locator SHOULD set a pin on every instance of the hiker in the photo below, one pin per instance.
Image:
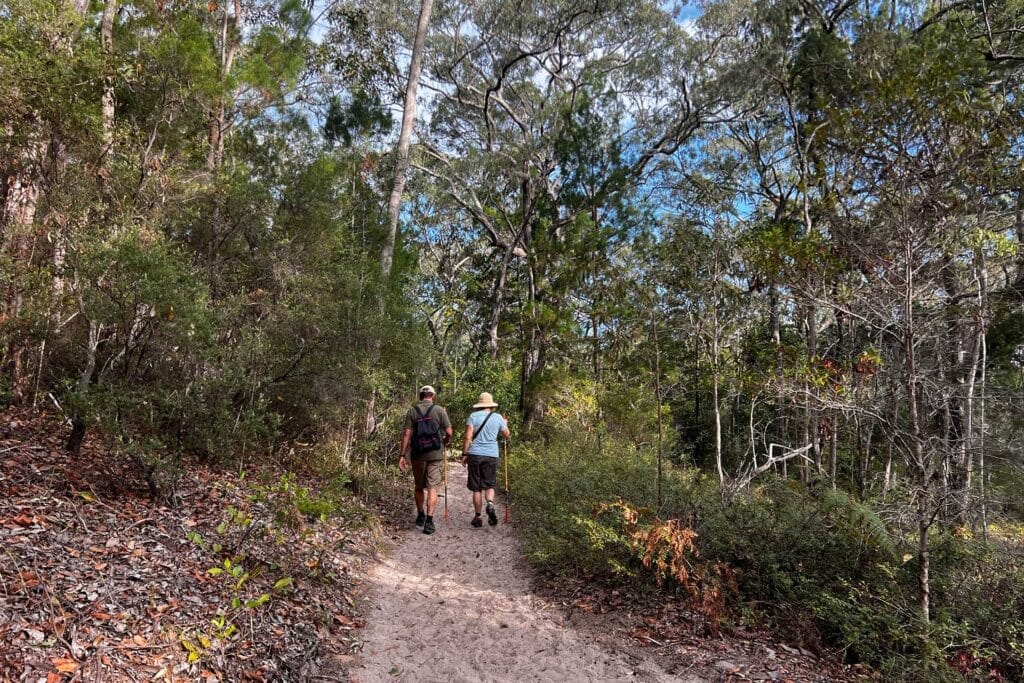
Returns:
(427, 430)
(480, 453)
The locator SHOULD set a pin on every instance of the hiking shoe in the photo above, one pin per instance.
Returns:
(492, 516)
(420, 518)
(428, 526)
(477, 522)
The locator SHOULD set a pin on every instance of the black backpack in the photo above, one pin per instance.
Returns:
(426, 432)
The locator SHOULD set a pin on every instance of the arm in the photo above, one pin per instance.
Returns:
(448, 435)
(504, 430)
(466, 441)
(403, 464)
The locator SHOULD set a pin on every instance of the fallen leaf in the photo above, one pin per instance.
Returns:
(34, 636)
(28, 578)
(64, 665)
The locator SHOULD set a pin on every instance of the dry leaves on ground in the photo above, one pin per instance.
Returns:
(99, 582)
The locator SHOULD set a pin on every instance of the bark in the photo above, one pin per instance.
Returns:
(813, 415)
(498, 306)
(229, 39)
(597, 367)
(918, 455)
(781, 431)
(968, 440)
(715, 379)
(387, 255)
(718, 418)
(981, 441)
(864, 440)
(833, 449)
(658, 399)
(107, 97)
(1018, 226)
(85, 378)
(887, 484)
(980, 361)
(17, 227)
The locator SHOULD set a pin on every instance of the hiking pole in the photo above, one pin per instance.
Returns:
(444, 455)
(507, 492)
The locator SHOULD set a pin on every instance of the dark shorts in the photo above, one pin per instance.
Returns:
(427, 473)
(483, 471)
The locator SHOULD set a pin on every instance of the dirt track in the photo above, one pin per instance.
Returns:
(457, 606)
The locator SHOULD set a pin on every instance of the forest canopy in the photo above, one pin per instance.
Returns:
(761, 259)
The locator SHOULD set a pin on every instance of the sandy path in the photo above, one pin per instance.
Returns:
(457, 606)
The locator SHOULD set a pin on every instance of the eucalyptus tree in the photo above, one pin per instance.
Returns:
(547, 117)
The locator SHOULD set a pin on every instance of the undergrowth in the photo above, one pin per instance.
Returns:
(821, 566)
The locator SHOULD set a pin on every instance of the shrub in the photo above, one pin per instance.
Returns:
(819, 564)
(556, 488)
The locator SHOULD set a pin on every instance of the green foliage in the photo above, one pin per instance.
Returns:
(362, 116)
(557, 486)
(294, 504)
(820, 563)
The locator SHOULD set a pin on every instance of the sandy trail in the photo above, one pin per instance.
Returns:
(457, 606)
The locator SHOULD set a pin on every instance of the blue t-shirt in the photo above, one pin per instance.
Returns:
(485, 442)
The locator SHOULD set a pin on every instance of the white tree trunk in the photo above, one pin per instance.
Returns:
(387, 254)
(107, 97)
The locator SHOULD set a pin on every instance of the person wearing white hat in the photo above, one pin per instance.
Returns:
(425, 433)
(480, 454)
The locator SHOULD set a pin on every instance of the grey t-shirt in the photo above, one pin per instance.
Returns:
(439, 415)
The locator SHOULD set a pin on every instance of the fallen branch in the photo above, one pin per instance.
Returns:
(755, 470)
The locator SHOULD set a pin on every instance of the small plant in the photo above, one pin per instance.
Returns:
(668, 550)
(293, 504)
(225, 626)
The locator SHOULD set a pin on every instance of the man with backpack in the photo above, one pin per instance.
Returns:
(427, 430)
(480, 454)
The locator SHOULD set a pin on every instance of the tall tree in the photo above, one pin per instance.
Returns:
(387, 255)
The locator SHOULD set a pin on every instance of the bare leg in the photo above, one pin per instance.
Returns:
(478, 502)
(431, 501)
(490, 496)
(419, 500)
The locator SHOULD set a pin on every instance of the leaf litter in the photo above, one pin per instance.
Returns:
(98, 581)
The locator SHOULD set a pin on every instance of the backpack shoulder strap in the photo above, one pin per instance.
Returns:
(478, 430)
(419, 413)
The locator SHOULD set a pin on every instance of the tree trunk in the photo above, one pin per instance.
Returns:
(387, 254)
(981, 364)
(781, 431)
(498, 306)
(85, 378)
(918, 456)
(833, 449)
(658, 399)
(17, 225)
(981, 441)
(229, 44)
(813, 416)
(715, 333)
(107, 97)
